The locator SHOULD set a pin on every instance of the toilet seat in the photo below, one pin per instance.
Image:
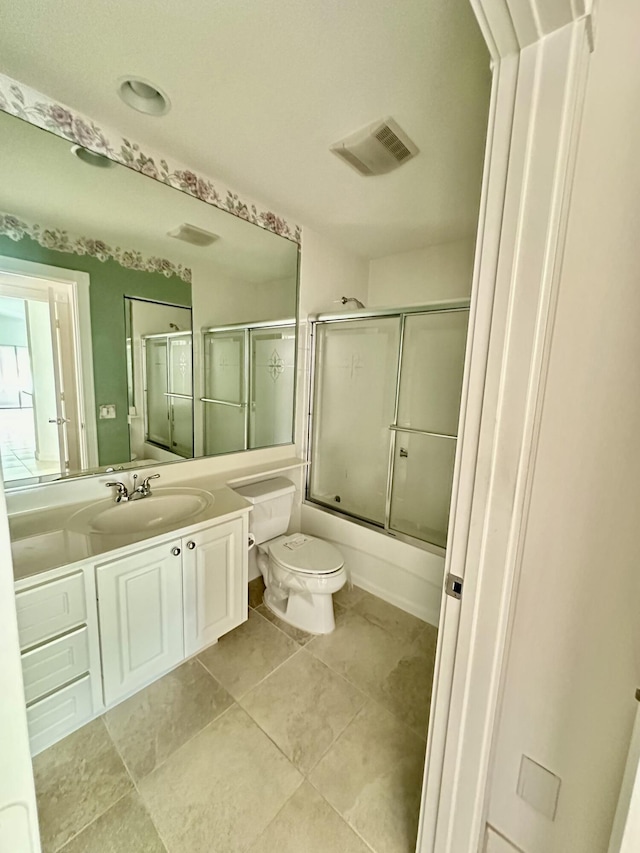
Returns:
(306, 555)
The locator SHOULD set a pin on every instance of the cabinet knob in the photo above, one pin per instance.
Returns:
(191, 545)
(175, 552)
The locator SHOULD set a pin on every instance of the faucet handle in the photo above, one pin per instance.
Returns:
(145, 488)
(122, 490)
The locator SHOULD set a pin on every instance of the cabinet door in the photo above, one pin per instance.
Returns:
(141, 618)
(215, 583)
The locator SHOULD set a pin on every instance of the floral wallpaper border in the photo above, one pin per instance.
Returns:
(36, 108)
(54, 238)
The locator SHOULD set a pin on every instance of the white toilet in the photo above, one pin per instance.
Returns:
(300, 572)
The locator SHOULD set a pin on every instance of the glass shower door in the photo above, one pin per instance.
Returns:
(224, 398)
(426, 425)
(180, 394)
(354, 403)
(272, 385)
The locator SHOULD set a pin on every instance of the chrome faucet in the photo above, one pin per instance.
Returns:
(144, 489)
(122, 494)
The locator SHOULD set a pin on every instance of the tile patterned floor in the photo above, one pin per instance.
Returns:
(17, 447)
(271, 740)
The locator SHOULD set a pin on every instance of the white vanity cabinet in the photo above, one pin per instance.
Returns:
(215, 583)
(57, 624)
(163, 604)
(94, 632)
(141, 618)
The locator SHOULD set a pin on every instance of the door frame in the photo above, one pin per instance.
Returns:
(537, 97)
(78, 284)
(518, 259)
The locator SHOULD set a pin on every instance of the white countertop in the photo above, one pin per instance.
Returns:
(42, 539)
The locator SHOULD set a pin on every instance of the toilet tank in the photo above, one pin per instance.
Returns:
(272, 503)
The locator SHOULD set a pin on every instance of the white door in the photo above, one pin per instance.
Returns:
(215, 583)
(141, 621)
(66, 416)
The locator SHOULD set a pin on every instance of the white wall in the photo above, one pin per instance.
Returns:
(425, 275)
(574, 658)
(18, 813)
(219, 300)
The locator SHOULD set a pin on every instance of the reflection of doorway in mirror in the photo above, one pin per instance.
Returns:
(42, 431)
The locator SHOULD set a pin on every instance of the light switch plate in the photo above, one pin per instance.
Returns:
(539, 787)
(108, 411)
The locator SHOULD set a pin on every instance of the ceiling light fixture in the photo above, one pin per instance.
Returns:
(143, 96)
(92, 158)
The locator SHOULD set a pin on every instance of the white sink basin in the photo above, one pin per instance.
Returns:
(163, 508)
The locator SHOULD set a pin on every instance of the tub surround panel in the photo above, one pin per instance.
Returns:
(397, 572)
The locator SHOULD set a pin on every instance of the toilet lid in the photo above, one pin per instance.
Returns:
(303, 553)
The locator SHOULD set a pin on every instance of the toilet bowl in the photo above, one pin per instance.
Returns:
(300, 572)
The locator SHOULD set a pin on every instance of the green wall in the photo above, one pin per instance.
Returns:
(110, 283)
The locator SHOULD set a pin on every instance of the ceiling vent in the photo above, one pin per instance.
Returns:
(378, 148)
(194, 235)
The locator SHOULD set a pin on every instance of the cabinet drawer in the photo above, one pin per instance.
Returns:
(59, 714)
(50, 609)
(50, 666)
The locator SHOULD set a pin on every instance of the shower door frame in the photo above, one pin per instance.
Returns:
(247, 328)
(440, 307)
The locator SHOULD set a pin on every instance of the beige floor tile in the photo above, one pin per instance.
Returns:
(303, 706)
(151, 725)
(256, 591)
(124, 828)
(360, 651)
(372, 775)
(406, 691)
(219, 792)
(307, 824)
(348, 595)
(245, 656)
(77, 779)
(300, 637)
(398, 623)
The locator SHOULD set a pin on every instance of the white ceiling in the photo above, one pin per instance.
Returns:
(261, 89)
(44, 184)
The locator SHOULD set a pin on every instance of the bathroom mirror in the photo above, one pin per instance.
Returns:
(113, 286)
